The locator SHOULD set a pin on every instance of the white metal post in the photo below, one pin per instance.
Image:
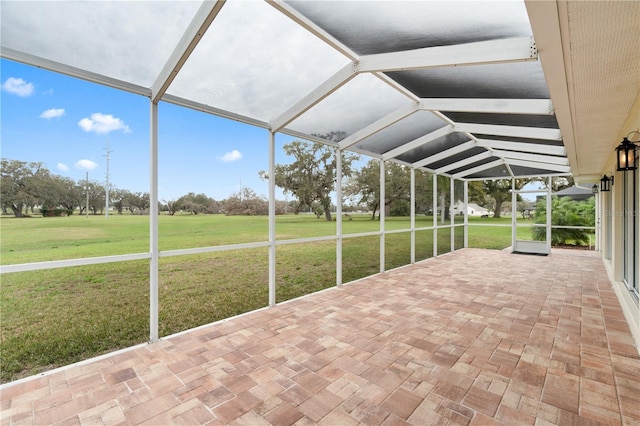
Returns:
(549, 215)
(272, 219)
(382, 213)
(153, 227)
(514, 224)
(338, 217)
(466, 214)
(413, 215)
(598, 231)
(434, 207)
(452, 216)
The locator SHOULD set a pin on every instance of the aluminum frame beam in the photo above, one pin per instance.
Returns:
(497, 106)
(537, 165)
(562, 161)
(444, 154)
(480, 168)
(197, 106)
(484, 52)
(190, 38)
(333, 83)
(422, 140)
(512, 131)
(522, 147)
(310, 26)
(465, 162)
(36, 61)
(379, 125)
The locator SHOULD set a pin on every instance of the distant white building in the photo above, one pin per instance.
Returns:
(472, 209)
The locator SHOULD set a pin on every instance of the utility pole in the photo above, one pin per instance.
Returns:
(107, 184)
(87, 191)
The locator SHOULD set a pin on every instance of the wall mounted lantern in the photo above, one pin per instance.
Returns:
(594, 189)
(605, 183)
(626, 154)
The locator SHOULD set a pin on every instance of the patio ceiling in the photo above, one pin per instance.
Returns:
(459, 88)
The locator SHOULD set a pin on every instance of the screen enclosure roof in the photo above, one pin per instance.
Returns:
(453, 87)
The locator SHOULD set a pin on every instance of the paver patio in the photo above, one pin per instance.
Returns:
(474, 337)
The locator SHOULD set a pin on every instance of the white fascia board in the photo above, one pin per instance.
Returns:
(523, 147)
(512, 131)
(496, 106)
(483, 52)
(334, 82)
(214, 111)
(478, 169)
(82, 74)
(532, 157)
(379, 125)
(444, 154)
(465, 162)
(436, 134)
(190, 38)
(549, 23)
(537, 165)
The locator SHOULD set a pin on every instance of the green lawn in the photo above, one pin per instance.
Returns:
(54, 317)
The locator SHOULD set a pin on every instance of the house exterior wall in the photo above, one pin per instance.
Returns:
(613, 227)
(472, 209)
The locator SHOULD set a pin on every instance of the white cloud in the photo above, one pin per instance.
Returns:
(86, 165)
(52, 113)
(62, 167)
(18, 86)
(103, 123)
(231, 156)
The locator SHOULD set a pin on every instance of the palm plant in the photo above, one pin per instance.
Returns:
(565, 212)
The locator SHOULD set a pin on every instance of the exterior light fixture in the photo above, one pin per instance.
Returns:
(605, 183)
(626, 154)
(594, 189)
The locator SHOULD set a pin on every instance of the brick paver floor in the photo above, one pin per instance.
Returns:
(473, 337)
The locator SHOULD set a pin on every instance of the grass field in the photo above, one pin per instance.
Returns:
(55, 317)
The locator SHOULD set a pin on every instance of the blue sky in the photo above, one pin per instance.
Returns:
(66, 123)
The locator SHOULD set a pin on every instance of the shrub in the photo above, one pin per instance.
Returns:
(46, 212)
(565, 212)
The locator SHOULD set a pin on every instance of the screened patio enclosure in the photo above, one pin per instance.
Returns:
(465, 90)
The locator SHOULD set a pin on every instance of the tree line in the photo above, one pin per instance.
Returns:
(29, 187)
(310, 178)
